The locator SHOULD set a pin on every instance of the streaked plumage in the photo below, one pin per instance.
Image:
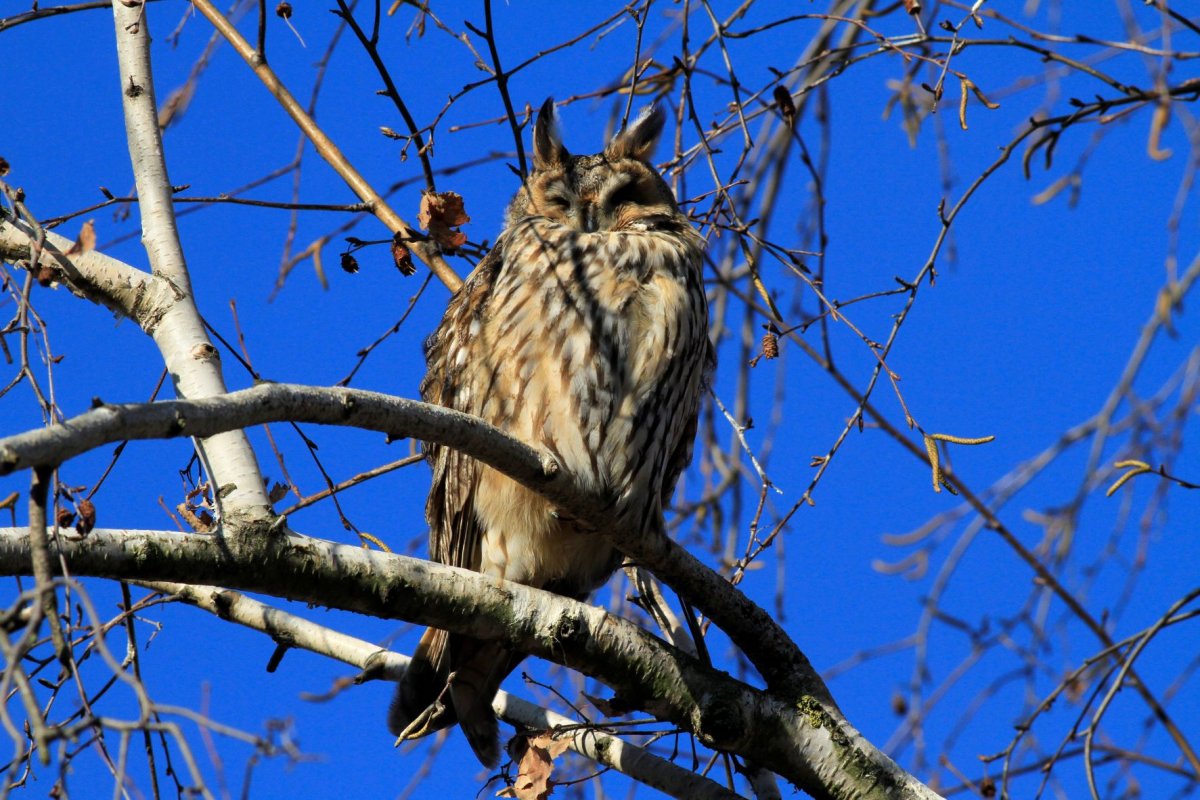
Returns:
(584, 332)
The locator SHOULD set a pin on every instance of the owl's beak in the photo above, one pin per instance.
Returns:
(589, 218)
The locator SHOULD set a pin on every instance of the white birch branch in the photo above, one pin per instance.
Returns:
(91, 275)
(192, 360)
(597, 745)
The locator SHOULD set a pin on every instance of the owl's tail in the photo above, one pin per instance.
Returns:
(453, 679)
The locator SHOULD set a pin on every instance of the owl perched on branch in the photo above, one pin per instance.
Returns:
(583, 332)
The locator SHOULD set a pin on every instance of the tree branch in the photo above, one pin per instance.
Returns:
(768, 647)
(788, 673)
(91, 275)
(427, 251)
(593, 743)
(801, 741)
(192, 360)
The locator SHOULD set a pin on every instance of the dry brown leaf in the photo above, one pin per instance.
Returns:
(87, 517)
(553, 745)
(402, 257)
(86, 240)
(277, 493)
(533, 773)
(439, 214)
(787, 107)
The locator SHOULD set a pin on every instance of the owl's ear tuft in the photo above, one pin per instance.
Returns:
(548, 150)
(640, 138)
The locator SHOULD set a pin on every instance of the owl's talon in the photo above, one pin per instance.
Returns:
(422, 724)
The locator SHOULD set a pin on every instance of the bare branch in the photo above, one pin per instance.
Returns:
(802, 741)
(589, 741)
(427, 251)
(91, 275)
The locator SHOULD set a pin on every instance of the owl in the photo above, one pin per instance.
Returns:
(583, 332)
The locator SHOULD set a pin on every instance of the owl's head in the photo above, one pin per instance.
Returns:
(613, 190)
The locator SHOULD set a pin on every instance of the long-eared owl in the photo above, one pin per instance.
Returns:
(584, 332)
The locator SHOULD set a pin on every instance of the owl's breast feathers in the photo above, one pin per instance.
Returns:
(591, 345)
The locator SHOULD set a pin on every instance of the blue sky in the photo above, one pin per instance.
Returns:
(1024, 334)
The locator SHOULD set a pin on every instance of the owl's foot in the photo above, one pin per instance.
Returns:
(431, 720)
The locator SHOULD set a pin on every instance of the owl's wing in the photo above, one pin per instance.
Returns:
(681, 449)
(454, 532)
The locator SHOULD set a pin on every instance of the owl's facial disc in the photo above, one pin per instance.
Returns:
(596, 194)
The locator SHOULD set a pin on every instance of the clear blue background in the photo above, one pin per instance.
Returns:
(1023, 336)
